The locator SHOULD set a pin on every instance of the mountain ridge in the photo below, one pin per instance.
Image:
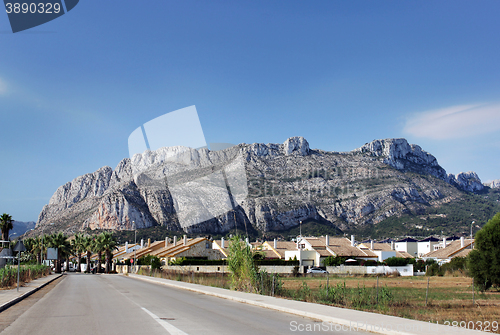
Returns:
(380, 179)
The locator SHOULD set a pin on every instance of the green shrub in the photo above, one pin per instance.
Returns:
(396, 261)
(456, 264)
(434, 270)
(154, 261)
(334, 261)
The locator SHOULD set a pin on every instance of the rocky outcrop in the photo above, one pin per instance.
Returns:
(467, 181)
(297, 145)
(493, 183)
(256, 186)
(403, 156)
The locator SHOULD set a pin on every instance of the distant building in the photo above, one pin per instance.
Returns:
(426, 245)
(457, 248)
(383, 250)
(409, 245)
(315, 249)
(277, 249)
(222, 246)
(199, 247)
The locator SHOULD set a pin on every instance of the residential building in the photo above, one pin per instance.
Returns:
(383, 250)
(457, 248)
(200, 247)
(278, 249)
(426, 245)
(409, 245)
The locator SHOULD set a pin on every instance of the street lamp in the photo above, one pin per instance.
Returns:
(471, 245)
(135, 245)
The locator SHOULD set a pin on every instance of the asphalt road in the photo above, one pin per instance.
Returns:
(112, 304)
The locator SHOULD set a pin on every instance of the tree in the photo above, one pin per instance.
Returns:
(154, 261)
(59, 241)
(334, 261)
(88, 246)
(484, 260)
(6, 224)
(33, 246)
(78, 246)
(109, 244)
(242, 266)
(98, 245)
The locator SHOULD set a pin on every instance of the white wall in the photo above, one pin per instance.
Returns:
(409, 247)
(404, 271)
(425, 247)
(309, 257)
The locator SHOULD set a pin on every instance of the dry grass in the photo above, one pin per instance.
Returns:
(449, 298)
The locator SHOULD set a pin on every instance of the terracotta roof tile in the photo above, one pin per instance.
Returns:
(450, 250)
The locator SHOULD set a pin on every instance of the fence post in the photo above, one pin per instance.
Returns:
(261, 285)
(473, 302)
(344, 293)
(377, 290)
(273, 287)
(427, 292)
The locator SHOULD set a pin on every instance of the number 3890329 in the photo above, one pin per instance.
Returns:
(41, 8)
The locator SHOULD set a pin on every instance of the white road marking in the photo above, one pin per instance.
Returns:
(171, 329)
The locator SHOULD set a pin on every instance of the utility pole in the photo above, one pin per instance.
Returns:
(135, 245)
(471, 246)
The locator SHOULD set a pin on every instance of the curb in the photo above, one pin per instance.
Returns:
(27, 294)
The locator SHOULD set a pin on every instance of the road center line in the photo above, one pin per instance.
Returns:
(170, 328)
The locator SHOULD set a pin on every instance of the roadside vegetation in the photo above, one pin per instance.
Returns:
(27, 273)
(31, 266)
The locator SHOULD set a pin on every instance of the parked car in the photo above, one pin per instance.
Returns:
(316, 270)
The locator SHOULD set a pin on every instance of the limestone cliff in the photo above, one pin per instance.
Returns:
(283, 184)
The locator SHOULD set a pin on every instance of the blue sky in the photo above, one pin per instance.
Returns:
(339, 73)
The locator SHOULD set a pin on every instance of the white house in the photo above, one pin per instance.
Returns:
(426, 245)
(408, 245)
(457, 248)
(383, 250)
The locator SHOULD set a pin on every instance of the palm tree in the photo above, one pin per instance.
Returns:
(33, 246)
(59, 241)
(98, 247)
(88, 247)
(109, 245)
(78, 247)
(38, 248)
(6, 224)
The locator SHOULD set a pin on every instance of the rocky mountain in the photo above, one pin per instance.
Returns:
(493, 184)
(20, 228)
(266, 187)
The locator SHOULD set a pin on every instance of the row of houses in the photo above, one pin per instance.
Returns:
(421, 248)
(309, 251)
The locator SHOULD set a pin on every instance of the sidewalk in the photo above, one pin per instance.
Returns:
(11, 297)
(334, 318)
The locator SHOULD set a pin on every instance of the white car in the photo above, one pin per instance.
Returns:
(316, 270)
